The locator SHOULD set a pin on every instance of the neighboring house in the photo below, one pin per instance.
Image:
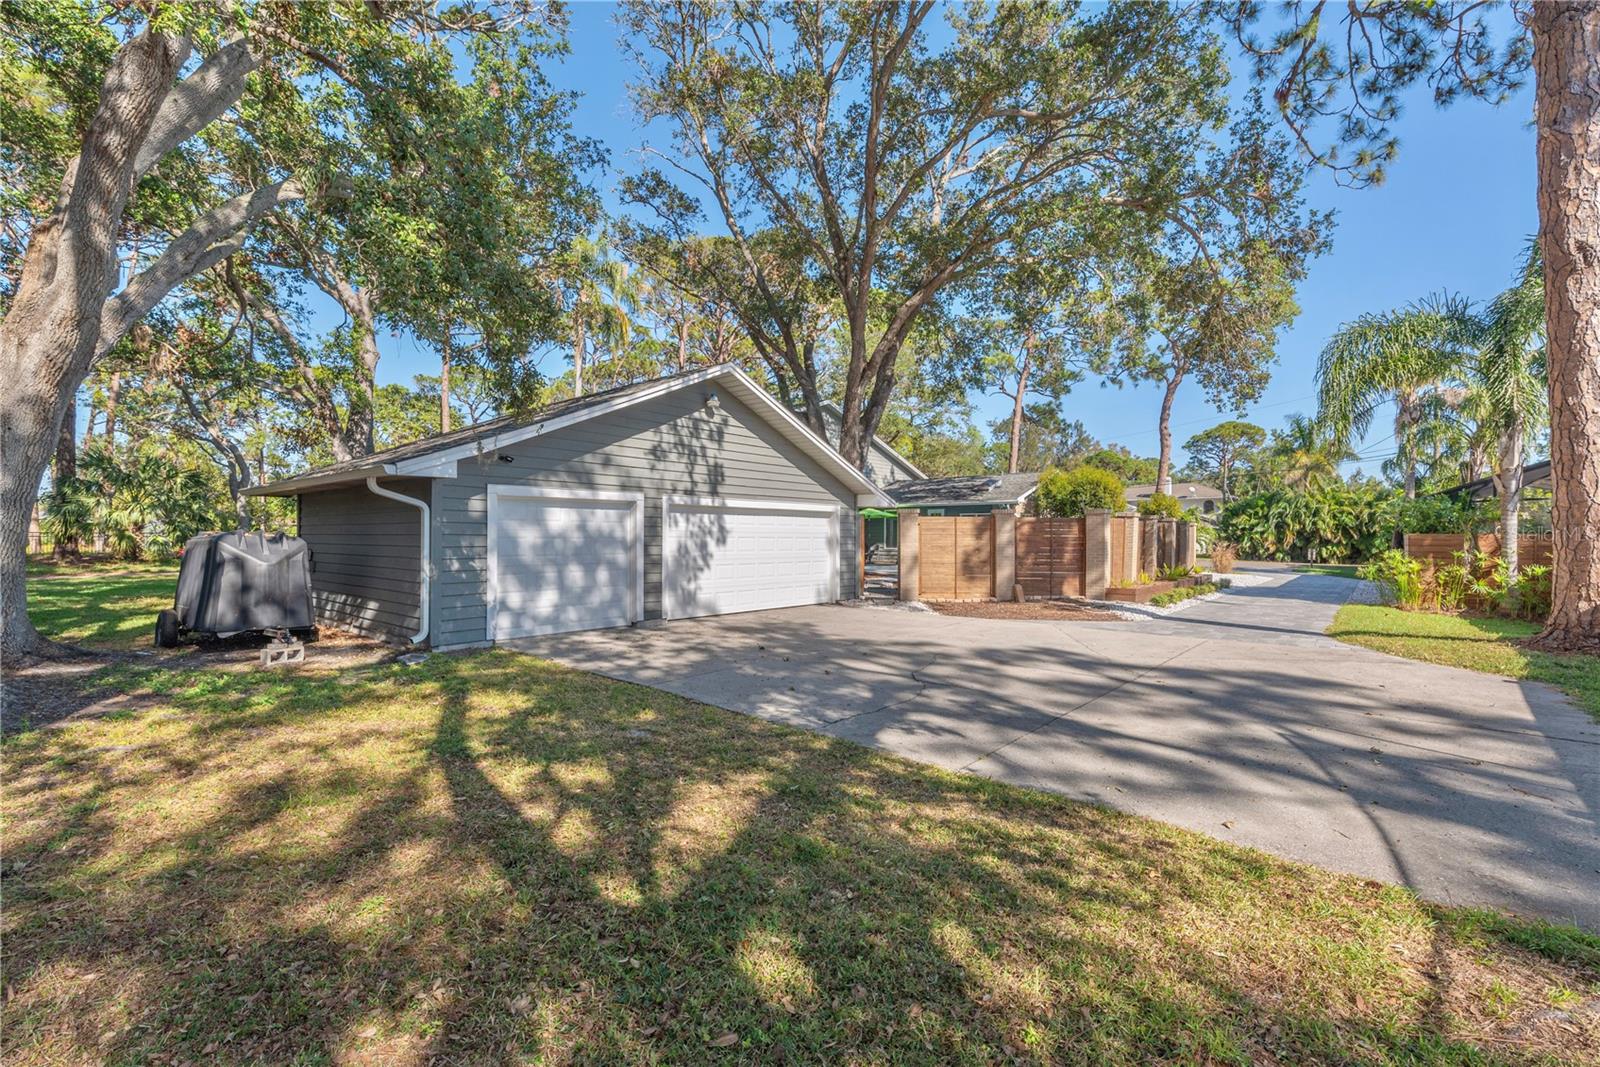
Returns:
(693, 495)
(1202, 498)
(976, 494)
(884, 465)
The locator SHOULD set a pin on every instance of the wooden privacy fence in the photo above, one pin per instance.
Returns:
(1442, 548)
(957, 557)
(974, 557)
(1049, 557)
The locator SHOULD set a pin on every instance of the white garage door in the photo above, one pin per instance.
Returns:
(745, 555)
(560, 562)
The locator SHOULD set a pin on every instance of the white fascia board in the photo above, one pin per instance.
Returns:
(291, 486)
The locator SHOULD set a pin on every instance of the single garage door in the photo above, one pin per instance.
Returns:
(746, 555)
(560, 562)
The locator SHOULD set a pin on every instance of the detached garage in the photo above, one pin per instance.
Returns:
(685, 496)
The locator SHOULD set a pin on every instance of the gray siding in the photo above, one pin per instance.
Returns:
(668, 446)
(364, 558)
(882, 465)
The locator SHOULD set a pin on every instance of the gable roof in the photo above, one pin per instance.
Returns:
(1534, 476)
(437, 456)
(965, 489)
(834, 412)
(1181, 490)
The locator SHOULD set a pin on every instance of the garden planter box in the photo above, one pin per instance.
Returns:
(1139, 594)
(1184, 583)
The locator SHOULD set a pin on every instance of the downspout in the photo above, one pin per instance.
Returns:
(423, 580)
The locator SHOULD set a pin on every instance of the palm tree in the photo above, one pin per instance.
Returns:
(602, 302)
(1305, 455)
(1397, 357)
(1509, 375)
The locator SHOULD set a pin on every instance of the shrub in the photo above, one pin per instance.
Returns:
(1398, 576)
(1224, 554)
(1178, 596)
(1332, 524)
(1533, 591)
(1441, 514)
(1452, 584)
(1173, 573)
(1071, 493)
(1161, 505)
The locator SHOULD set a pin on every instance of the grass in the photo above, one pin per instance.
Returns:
(1335, 570)
(1489, 645)
(105, 605)
(491, 858)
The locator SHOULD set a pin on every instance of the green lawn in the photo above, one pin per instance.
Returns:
(1480, 644)
(1336, 570)
(490, 858)
(104, 606)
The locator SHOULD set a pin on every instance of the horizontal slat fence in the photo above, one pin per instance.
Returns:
(1442, 548)
(1050, 556)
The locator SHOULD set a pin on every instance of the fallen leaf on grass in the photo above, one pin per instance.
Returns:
(729, 1038)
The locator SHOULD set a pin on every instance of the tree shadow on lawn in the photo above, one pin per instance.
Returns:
(492, 859)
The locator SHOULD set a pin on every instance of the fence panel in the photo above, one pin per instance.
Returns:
(1050, 556)
(956, 557)
(1442, 548)
(1123, 527)
(974, 557)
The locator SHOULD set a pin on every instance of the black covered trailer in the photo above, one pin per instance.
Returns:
(232, 583)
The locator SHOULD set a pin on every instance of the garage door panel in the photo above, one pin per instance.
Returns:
(563, 564)
(726, 558)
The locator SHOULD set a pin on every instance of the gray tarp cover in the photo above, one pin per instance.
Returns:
(230, 582)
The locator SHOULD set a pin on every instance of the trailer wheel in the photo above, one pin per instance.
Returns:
(167, 629)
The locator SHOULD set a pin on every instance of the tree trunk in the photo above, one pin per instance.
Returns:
(444, 384)
(1566, 40)
(66, 468)
(1510, 479)
(577, 355)
(1017, 405)
(51, 333)
(683, 339)
(1164, 428)
(113, 394)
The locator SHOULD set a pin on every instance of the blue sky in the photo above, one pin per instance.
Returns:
(1455, 214)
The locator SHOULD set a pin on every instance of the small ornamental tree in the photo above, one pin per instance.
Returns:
(1071, 493)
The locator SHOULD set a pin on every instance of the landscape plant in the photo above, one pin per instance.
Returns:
(1224, 554)
(1398, 578)
(1162, 506)
(1187, 592)
(1071, 493)
(1332, 524)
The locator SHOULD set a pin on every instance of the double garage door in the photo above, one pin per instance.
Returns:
(559, 562)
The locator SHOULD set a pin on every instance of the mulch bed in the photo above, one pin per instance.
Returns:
(1058, 610)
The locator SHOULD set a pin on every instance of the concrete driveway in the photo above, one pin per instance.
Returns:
(1235, 717)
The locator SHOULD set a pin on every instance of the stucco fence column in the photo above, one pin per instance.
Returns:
(1096, 553)
(1005, 554)
(910, 586)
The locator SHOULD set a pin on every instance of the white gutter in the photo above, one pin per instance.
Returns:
(423, 579)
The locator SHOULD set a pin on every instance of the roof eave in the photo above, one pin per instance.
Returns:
(291, 486)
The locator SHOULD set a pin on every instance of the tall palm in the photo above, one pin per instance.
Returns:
(603, 302)
(1397, 357)
(1508, 373)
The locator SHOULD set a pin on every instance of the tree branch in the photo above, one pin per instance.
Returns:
(196, 101)
(214, 236)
